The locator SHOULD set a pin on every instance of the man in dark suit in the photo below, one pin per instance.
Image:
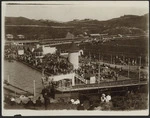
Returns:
(46, 97)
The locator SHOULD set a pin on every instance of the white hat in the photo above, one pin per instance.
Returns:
(108, 97)
(103, 95)
(12, 99)
(72, 100)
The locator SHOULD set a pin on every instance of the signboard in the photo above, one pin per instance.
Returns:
(20, 52)
(92, 80)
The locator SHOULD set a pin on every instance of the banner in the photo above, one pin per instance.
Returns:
(20, 52)
(92, 80)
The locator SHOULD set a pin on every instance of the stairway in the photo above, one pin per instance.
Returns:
(80, 78)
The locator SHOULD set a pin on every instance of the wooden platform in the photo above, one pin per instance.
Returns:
(104, 85)
(14, 89)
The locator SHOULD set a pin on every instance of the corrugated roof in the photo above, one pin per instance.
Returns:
(62, 27)
(94, 34)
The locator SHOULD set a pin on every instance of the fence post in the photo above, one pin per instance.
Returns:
(128, 68)
(8, 79)
(34, 88)
(140, 69)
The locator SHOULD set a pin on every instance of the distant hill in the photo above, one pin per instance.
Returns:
(21, 21)
(129, 21)
(124, 24)
(26, 21)
(127, 24)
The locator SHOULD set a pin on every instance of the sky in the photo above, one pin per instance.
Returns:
(67, 11)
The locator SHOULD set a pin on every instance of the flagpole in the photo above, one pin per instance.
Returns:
(140, 69)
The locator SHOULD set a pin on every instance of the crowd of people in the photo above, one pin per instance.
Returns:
(27, 101)
(102, 104)
(121, 101)
(55, 64)
(10, 52)
(118, 59)
(94, 69)
(106, 70)
(47, 94)
(50, 63)
(46, 100)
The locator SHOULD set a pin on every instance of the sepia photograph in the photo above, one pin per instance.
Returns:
(77, 58)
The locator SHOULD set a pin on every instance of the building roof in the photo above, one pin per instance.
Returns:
(62, 27)
(94, 34)
(20, 35)
(69, 36)
(9, 35)
(73, 48)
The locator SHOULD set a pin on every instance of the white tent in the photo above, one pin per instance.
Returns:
(64, 76)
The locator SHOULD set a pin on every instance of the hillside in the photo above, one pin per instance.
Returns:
(127, 24)
(129, 21)
(21, 21)
(26, 21)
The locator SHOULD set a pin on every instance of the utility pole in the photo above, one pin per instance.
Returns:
(15, 94)
(128, 68)
(140, 61)
(103, 59)
(99, 69)
(43, 72)
(8, 79)
(146, 63)
(111, 59)
(34, 88)
(123, 59)
(139, 68)
(99, 73)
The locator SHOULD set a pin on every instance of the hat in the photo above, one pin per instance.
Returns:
(103, 95)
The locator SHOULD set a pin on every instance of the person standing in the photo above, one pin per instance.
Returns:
(46, 97)
(53, 91)
(80, 106)
(38, 102)
(91, 107)
(103, 98)
(46, 101)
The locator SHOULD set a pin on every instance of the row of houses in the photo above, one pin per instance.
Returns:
(20, 36)
(37, 50)
(11, 36)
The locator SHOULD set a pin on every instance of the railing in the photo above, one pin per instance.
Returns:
(80, 78)
(112, 83)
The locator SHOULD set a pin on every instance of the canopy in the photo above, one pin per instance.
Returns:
(62, 77)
